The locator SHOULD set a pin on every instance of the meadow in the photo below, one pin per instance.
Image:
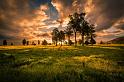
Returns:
(98, 63)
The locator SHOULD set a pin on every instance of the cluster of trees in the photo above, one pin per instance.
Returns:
(5, 43)
(58, 36)
(77, 24)
(24, 42)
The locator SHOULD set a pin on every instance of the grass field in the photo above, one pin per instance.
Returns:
(99, 63)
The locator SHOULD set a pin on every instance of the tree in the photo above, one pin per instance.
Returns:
(66, 42)
(79, 41)
(33, 43)
(11, 44)
(4, 42)
(92, 34)
(55, 35)
(38, 42)
(75, 23)
(101, 42)
(61, 36)
(24, 42)
(84, 30)
(78, 24)
(27, 42)
(70, 42)
(68, 33)
(44, 42)
(83, 26)
(86, 42)
(92, 41)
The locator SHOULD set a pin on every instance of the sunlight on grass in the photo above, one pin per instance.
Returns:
(95, 62)
(62, 63)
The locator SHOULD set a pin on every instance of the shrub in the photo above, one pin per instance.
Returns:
(44, 42)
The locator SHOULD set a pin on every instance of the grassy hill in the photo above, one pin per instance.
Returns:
(119, 40)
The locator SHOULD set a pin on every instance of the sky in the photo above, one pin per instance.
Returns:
(35, 19)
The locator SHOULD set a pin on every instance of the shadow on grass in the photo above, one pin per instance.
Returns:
(45, 68)
(67, 75)
(109, 53)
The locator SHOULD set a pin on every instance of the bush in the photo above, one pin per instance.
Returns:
(4, 42)
(70, 42)
(80, 41)
(86, 42)
(44, 42)
(24, 42)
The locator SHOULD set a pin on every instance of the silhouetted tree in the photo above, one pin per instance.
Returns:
(86, 42)
(11, 44)
(79, 41)
(33, 43)
(24, 42)
(87, 38)
(4, 42)
(78, 23)
(61, 36)
(38, 42)
(27, 42)
(92, 34)
(75, 23)
(83, 26)
(101, 42)
(66, 42)
(68, 33)
(55, 35)
(44, 42)
(70, 42)
(92, 41)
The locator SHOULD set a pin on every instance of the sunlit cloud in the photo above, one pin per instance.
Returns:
(32, 19)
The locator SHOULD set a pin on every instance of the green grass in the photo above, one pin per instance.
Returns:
(97, 63)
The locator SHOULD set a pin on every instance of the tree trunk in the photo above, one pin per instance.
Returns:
(68, 40)
(91, 40)
(61, 43)
(75, 40)
(56, 43)
(82, 40)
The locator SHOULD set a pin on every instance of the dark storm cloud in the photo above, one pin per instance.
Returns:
(107, 12)
(69, 3)
(2, 37)
(66, 7)
(13, 8)
(37, 3)
(10, 11)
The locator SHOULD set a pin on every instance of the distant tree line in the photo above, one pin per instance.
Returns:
(26, 42)
(44, 42)
(5, 43)
(76, 24)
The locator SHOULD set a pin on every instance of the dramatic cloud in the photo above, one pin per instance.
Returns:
(106, 13)
(35, 19)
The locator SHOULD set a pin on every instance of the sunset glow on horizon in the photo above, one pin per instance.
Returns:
(35, 19)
